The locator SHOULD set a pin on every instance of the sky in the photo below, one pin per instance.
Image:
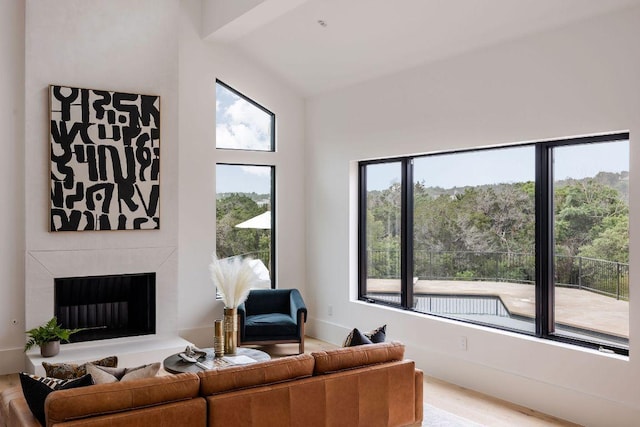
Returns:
(508, 165)
(240, 124)
(243, 179)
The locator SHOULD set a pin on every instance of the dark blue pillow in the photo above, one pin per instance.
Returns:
(36, 389)
(378, 334)
(356, 337)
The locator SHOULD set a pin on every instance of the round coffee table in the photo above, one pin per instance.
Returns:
(243, 356)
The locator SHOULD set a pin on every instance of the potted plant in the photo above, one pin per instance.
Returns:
(48, 337)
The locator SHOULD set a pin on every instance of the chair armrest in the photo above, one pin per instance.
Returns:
(242, 313)
(297, 305)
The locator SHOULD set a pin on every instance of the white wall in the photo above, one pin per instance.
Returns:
(117, 45)
(574, 81)
(152, 47)
(200, 64)
(12, 188)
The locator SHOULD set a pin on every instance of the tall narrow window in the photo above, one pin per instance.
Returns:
(241, 123)
(245, 200)
(244, 222)
(383, 217)
(591, 234)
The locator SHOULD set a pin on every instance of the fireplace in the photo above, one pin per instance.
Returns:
(106, 307)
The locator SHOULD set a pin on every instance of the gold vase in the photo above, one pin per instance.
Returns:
(230, 330)
(218, 338)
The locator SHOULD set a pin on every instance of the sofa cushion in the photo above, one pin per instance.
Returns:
(119, 397)
(353, 357)
(67, 371)
(273, 371)
(36, 389)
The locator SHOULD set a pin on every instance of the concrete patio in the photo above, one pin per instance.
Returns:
(573, 307)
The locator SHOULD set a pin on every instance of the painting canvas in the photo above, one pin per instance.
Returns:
(105, 160)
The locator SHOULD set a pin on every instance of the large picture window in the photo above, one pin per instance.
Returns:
(530, 238)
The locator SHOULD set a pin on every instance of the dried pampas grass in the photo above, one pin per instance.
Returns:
(234, 277)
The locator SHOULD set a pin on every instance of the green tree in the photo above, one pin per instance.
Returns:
(231, 210)
(612, 243)
(581, 210)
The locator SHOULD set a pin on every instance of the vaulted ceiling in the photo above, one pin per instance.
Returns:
(320, 45)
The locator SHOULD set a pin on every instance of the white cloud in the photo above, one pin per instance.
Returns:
(262, 171)
(243, 126)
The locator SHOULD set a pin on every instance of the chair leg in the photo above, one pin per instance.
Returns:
(301, 345)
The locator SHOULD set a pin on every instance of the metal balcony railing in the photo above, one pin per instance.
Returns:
(601, 276)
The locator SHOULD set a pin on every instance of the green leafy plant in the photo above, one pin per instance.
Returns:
(50, 331)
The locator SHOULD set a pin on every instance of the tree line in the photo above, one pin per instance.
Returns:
(591, 219)
(231, 210)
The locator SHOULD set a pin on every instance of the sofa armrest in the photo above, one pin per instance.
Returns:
(419, 384)
(21, 415)
(298, 308)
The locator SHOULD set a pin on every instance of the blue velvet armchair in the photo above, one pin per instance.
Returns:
(272, 316)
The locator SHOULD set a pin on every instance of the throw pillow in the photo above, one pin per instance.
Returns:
(377, 335)
(105, 375)
(36, 389)
(67, 371)
(356, 337)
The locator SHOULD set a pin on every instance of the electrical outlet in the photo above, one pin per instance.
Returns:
(330, 310)
(462, 343)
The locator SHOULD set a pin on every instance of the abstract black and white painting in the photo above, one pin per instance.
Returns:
(105, 160)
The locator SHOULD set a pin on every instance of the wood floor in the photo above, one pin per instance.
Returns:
(474, 406)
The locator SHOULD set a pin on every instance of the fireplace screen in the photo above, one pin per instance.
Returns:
(107, 306)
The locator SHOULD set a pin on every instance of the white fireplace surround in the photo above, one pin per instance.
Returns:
(42, 267)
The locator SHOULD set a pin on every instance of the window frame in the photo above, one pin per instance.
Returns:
(544, 237)
(272, 139)
(271, 165)
(272, 248)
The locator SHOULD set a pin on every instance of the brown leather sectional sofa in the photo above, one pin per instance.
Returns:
(369, 385)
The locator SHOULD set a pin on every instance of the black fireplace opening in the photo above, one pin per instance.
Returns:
(106, 307)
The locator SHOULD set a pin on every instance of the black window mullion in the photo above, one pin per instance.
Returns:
(406, 240)
(272, 249)
(545, 321)
(362, 230)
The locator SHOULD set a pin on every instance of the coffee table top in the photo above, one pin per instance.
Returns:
(243, 356)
